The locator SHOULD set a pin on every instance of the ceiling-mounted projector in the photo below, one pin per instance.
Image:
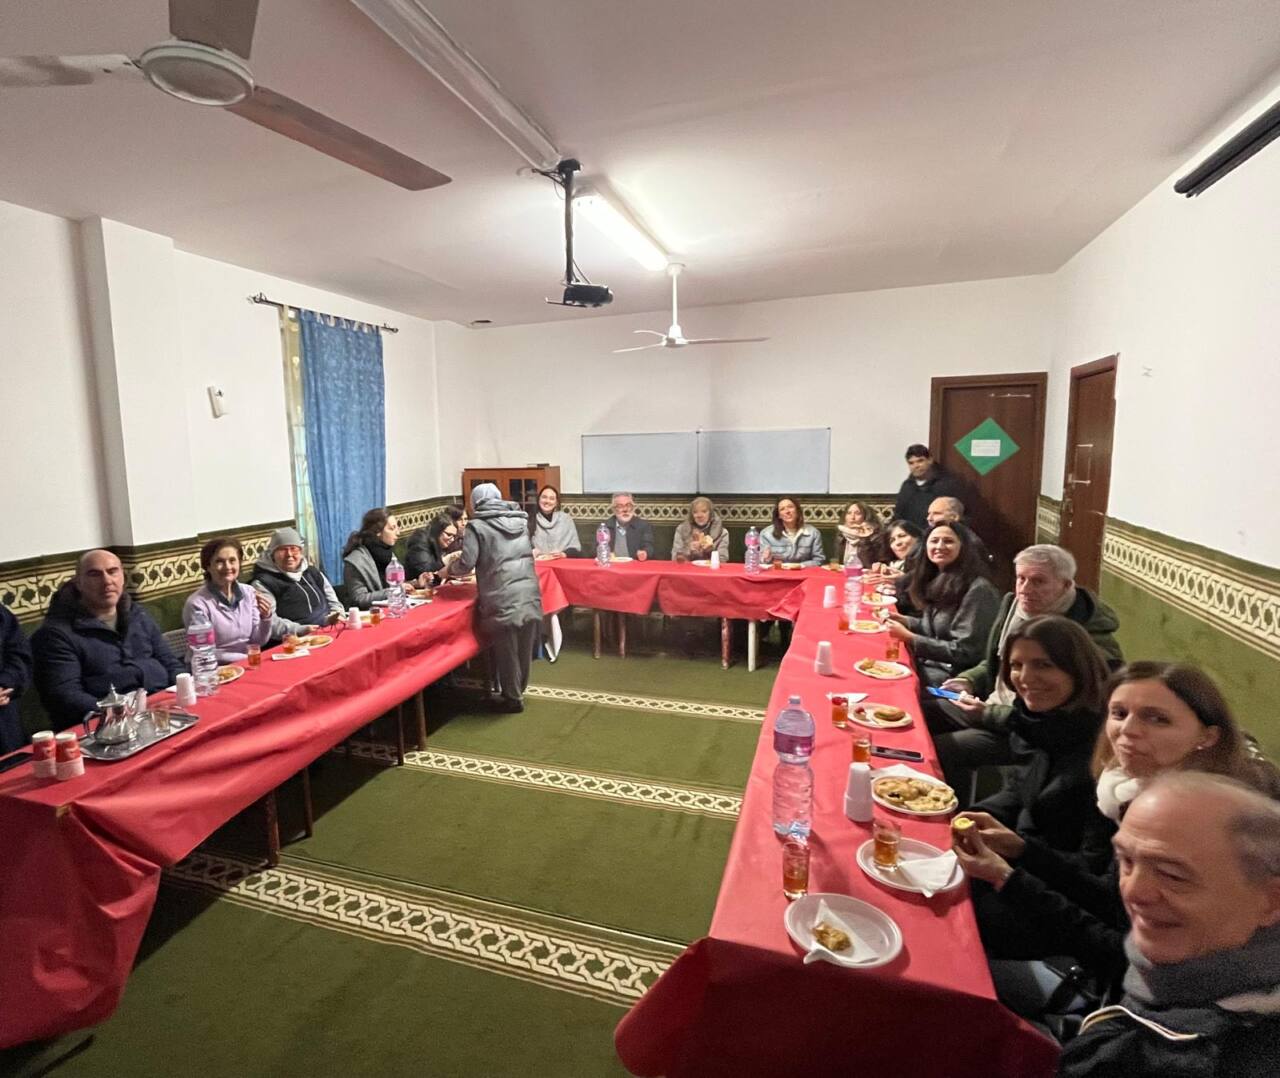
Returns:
(586, 295)
(576, 293)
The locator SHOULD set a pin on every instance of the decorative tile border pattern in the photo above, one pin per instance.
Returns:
(585, 960)
(822, 509)
(620, 788)
(1246, 608)
(661, 704)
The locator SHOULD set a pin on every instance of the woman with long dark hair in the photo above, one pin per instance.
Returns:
(365, 558)
(789, 539)
(958, 605)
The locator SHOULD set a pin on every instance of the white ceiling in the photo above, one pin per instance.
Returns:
(778, 149)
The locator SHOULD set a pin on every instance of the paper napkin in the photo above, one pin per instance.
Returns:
(930, 874)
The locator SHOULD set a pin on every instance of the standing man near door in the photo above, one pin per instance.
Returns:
(927, 481)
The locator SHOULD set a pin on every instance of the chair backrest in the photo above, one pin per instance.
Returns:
(177, 641)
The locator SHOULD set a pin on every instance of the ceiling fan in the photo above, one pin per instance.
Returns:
(205, 64)
(674, 337)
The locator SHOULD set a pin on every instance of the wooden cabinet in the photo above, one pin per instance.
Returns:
(517, 484)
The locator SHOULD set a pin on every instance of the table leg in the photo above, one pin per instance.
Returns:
(400, 709)
(753, 640)
(308, 810)
(595, 634)
(724, 643)
(271, 818)
(420, 719)
(622, 636)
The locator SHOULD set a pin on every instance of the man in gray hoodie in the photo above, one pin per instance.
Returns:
(509, 607)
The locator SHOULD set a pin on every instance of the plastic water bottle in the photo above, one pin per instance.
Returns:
(751, 560)
(852, 591)
(396, 602)
(204, 659)
(602, 544)
(793, 777)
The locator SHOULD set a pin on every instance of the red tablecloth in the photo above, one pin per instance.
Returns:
(739, 1002)
(82, 858)
(676, 588)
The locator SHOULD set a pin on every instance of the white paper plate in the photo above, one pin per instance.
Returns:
(909, 849)
(899, 673)
(615, 558)
(233, 673)
(873, 927)
(854, 626)
(876, 599)
(902, 808)
(704, 562)
(873, 724)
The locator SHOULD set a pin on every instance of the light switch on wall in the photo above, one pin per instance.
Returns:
(217, 402)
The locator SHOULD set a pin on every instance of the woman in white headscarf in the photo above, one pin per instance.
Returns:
(509, 605)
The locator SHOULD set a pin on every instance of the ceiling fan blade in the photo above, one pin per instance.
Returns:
(28, 71)
(222, 24)
(639, 348)
(287, 117)
(724, 340)
(652, 331)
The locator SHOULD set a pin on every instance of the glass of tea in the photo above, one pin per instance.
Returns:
(795, 868)
(842, 624)
(375, 616)
(862, 749)
(254, 657)
(290, 644)
(893, 649)
(839, 712)
(885, 834)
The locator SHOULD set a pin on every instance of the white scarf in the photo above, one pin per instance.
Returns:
(1116, 789)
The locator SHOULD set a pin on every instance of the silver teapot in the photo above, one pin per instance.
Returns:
(117, 722)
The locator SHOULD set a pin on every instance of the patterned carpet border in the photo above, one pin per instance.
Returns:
(698, 801)
(584, 960)
(633, 702)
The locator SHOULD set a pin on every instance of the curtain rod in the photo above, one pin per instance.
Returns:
(261, 297)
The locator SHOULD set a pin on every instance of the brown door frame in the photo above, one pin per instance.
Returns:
(1038, 380)
(1086, 370)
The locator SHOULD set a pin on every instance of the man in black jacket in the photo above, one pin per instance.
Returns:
(15, 676)
(630, 536)
(95, 637)
(1199, 859)
(926, 481)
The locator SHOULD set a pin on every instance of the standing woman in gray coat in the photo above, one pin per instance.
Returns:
(949, 584)
(509, 606)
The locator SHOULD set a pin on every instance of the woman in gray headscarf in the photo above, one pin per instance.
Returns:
(700, 533)
(509, 606)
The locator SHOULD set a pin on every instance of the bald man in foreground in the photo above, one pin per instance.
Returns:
(1199, 864)
(93, 637)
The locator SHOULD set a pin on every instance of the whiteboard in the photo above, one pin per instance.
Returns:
(640, 463)
(765, 461)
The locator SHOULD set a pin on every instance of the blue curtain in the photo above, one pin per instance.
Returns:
(344, 400)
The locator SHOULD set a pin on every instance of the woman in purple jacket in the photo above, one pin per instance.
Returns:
(239, 614)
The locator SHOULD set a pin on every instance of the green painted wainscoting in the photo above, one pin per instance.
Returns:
(1181, 601)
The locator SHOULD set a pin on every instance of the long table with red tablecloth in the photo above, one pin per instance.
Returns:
(680, 589)
(740, 1002)
(82, 858)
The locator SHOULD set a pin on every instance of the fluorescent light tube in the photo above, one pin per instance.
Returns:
(620, 228)
(411, 26)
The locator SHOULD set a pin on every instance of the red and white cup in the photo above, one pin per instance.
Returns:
(67, 755)
(43, 755)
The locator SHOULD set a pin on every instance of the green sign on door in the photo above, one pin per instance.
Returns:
(986, 446)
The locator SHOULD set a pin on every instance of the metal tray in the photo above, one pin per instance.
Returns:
(146, 737)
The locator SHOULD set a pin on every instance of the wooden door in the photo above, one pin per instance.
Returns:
(988, 430)
(1086, 483)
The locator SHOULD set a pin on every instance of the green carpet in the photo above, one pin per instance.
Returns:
(491, 908)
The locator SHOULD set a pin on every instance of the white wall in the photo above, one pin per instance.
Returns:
(859, 363)
(179, 323)
(52, 482)
(230, 342)
(1187, 291)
